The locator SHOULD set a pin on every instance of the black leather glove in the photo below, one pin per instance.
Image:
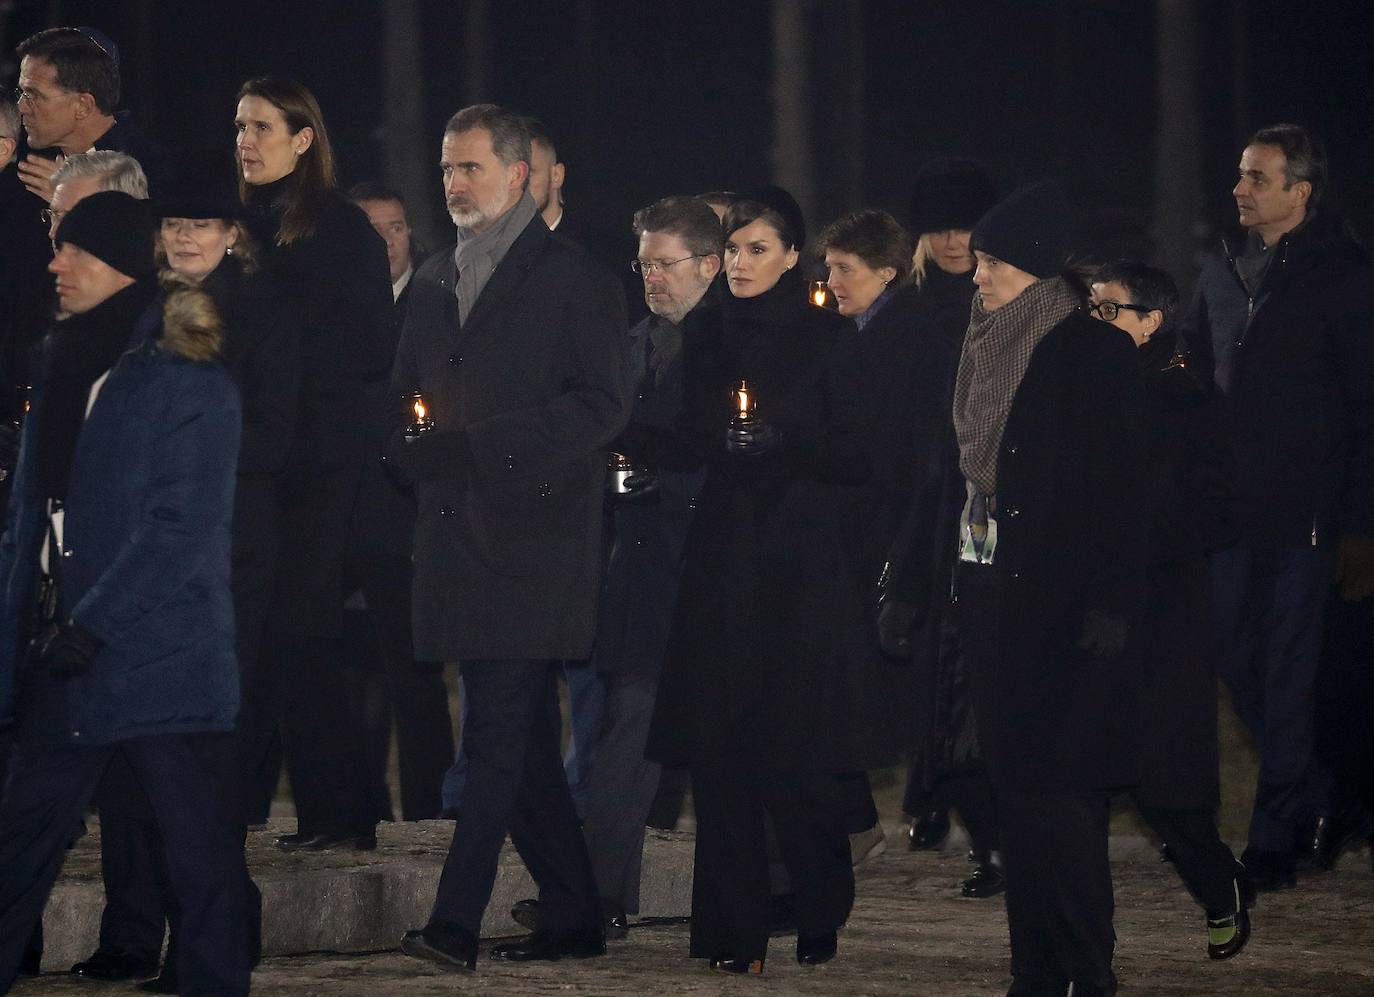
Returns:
(440, 453)
(66, 649)
(9, 447)
(753, 438)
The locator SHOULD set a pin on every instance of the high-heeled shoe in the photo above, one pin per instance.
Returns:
(729, 964)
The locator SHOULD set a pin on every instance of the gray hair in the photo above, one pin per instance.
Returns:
(510, 134)
(117, 171)
(9, 125)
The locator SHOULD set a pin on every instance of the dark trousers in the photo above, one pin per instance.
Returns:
(1203, 860)
(139, 897)
(1059, 887)
(184, 774)
(515, 784)
(586, 706)
(860, 812)
(622, 788)
(388, 690)
(1270, 606)
(257, 741)
(730, 880)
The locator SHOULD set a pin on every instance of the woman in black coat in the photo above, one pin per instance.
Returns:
(1049, 581)
(755, 697)
(917, 617)
(1191, 507)
(321, 254)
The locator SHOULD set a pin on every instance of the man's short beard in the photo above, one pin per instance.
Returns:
(479, 213)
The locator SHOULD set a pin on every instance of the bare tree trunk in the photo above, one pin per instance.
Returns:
(1178, 153)
(405, 147)
(476, 68)
(1240, 69)
(792, 165)
(855, 44)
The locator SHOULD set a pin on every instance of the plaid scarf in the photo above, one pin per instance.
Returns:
(997, 351)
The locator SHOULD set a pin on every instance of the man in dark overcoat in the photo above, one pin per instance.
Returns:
(516, 342)
(1281, 322)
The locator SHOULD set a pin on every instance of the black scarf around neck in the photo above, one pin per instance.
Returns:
(79, 349)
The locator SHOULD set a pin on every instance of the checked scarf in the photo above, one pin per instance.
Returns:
(997, 351)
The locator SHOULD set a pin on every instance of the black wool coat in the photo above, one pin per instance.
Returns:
(641, 586)
(508, 557)
(1190, 482)
(921, 549)
(762, 663)
(336, 285)
(1048, 626)
(1298, 389)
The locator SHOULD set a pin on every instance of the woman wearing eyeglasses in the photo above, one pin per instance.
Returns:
(756, 700)
(322, 256)
(1049, 576)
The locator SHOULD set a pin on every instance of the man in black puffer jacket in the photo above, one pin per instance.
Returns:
(1282, 321)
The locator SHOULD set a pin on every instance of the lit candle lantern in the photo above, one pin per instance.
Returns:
(423, 423)
(820, 294)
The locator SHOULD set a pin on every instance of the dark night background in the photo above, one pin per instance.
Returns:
(650, 98)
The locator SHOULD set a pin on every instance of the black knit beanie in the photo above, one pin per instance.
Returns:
(778, 200)
(114, 228)
(1030, 230)
(949, 193)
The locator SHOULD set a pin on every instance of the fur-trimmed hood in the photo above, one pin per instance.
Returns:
(191, 326)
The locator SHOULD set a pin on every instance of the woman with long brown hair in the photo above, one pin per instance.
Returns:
(320, 254)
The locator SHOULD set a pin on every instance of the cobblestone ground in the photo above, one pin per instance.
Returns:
(911, 934)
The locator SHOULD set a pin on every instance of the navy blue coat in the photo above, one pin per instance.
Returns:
(145, 560)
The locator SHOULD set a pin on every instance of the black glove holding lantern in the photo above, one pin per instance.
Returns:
(420, 452)
(749, 435)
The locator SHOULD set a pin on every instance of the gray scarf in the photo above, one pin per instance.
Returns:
(477, 255)
(997, 351)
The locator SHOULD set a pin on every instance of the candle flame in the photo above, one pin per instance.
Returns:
(744, 400)
(420, 410)
(818, 296)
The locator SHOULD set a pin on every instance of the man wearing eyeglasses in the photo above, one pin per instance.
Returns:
(1282, 324)
(679, 258)
(68, 95)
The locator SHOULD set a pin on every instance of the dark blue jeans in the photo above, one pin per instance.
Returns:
(515, 784)
(1270, 606)
(185, 776)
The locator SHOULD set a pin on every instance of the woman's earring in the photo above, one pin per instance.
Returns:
(228, 250)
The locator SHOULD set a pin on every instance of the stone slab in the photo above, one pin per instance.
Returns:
(344, 901)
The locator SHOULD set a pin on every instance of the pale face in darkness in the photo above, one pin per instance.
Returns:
(755, 257)
(998, 282)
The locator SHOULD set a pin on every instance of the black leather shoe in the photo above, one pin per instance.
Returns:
(1268, 870)
(444, 943)
(163, 983)
(114, 967)
(987, 880)
(614, 920)
(550, 946)
(812, 950)
(928, 831)
(323, 841)
(1027, 987)
(727, 964)
(1325, 837)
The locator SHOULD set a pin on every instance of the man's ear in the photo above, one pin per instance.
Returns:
(518, 174)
